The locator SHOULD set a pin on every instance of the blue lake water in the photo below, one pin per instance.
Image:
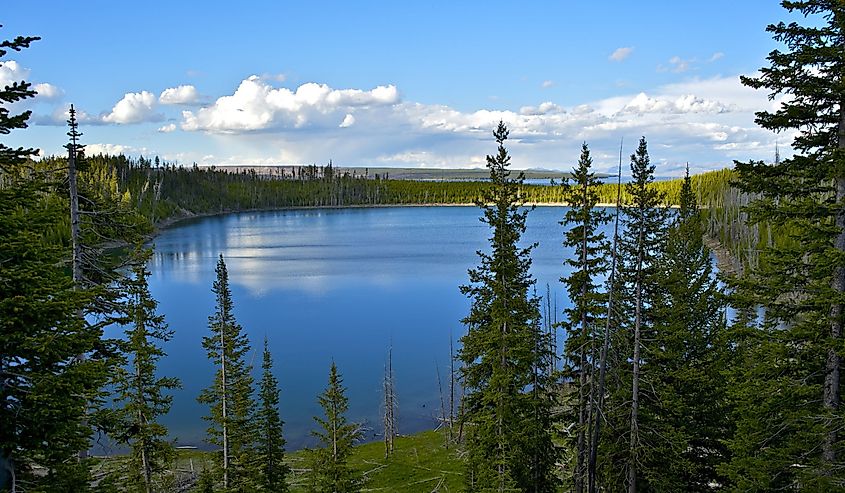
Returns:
(333, 284)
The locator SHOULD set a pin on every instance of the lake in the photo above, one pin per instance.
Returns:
(332, 285)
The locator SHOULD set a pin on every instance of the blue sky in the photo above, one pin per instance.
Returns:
(399, 83)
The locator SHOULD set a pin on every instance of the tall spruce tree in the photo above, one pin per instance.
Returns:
(640, 245)
(139, 389)
(509, 442)
(269, 440)
(330, 470)
(685, 418)
(45, 390)
(789, 415)
(583, 320)
(230, 396)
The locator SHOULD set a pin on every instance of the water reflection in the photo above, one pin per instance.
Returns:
(329, 285)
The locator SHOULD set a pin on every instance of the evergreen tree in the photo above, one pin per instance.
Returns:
(502, 351)
(788, 393)
(138, 387)
(270, 443)
(45, 389)
(685, 420)
(230, 396)
(330, 472)
(640, 247)
(585, 316)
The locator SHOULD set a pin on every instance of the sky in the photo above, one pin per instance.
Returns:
(408, 84)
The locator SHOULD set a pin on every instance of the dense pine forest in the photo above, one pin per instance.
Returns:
(672, 376)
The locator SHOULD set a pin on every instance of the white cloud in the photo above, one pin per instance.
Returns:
(184, 94)
(135, 107)
(687, 103)
(256, 105)
(706, 121)
(348, 121)
(12, 71)
(620, 54)
(48, 91)
(547, 84)
(115, 149)
(716, 56)
(676, 64)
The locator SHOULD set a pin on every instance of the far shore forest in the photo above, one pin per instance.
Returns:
(672, 376)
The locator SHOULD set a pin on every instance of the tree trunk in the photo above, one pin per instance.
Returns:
(635, 385)
(594, 445)
(582, 377)
(225, 418)
(76, 259)
(831, 382)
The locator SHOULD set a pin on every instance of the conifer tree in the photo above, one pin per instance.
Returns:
(640, 247)
(45, 390)
(270, 442)
(582, 325)
(685, 418)
(502, 351)
(230, 396)
(330, 471)
(790, 381)
(139, 389)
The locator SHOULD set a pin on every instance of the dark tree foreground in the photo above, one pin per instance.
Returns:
(787, 379)
(505, 356)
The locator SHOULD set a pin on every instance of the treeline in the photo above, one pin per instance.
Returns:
(160, 190)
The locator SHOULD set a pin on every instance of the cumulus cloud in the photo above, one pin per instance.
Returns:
(114, 149)
(48, 91)
(708, 122)
(620, 54)
(12, 71)
(184, 94)
(135, 107)
(547, 84)
(687, 103)
(167, 128)
(256, 105)
(348, 121)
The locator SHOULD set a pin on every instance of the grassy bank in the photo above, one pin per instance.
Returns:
(420, 463)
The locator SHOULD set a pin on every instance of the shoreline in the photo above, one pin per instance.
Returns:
(174, 221)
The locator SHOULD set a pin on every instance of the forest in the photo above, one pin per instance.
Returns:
(672, 377)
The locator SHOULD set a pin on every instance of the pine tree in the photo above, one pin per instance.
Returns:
(583, 319)
(330, 471)
(640, 246)
(502, 351)
(45, 390)
(685, 419)
(789, 388)
(138, 387)
(270, 442)
(230, 396)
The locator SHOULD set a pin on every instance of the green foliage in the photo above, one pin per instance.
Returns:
(230, 396)
(46, 390)
(269, 442)
(139, 389)
(330, 470)
(789, 347)
(684, 415)
(640, 247)
(504, 352)
(584, 320)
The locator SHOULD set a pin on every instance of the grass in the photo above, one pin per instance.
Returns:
(420, 463)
